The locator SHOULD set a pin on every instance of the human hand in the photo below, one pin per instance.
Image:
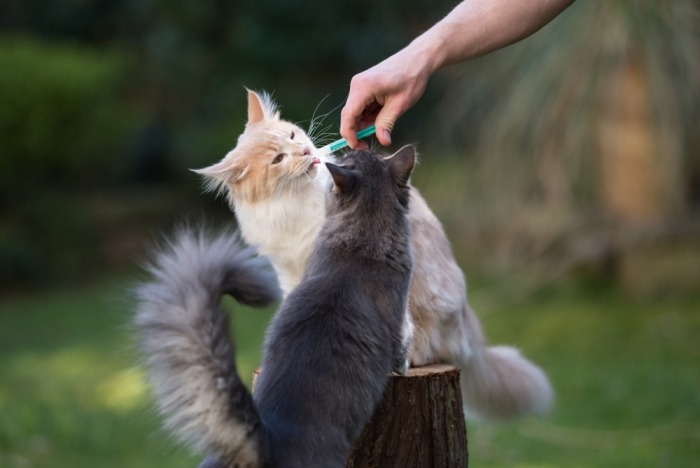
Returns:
(380, 95)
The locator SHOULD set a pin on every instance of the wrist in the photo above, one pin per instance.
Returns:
(428, 54)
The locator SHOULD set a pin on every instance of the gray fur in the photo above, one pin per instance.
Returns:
(328, 351)
(184, 338)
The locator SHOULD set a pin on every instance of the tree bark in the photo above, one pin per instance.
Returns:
(419, 423)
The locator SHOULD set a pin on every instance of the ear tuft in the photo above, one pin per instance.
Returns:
(261, 107)
(219, 175)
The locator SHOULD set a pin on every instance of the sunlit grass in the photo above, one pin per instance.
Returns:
(71, 391)
(625, 372)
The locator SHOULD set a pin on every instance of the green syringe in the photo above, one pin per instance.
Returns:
(342, 143)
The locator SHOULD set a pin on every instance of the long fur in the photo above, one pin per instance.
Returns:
(502, 383)
(329, 349)
(498, 383)
(283, 221)
(184, 337)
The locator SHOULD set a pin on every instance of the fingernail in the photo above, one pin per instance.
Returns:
(387, 136)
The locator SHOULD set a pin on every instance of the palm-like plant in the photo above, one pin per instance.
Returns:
(597, 109)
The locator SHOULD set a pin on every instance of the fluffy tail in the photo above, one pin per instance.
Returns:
(498, 383)
(501, 384)
(186, 343)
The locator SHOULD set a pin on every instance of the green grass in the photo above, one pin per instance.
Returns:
(626, 374)
(71, 392)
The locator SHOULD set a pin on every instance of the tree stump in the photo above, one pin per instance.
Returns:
(418, 423)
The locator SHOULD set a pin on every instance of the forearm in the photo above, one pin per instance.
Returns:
(474, 28)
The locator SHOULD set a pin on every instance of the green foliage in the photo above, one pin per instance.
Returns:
(75, 73)
(62, 123)
(531, 114)
(199, 56)
(525, 117)
(63, 129)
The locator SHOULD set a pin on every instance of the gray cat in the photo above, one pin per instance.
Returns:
(329, 350)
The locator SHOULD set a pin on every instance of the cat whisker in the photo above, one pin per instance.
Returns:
(313, 122)
(324, 137)
(316, 121)
(313, 114)
(317, 130)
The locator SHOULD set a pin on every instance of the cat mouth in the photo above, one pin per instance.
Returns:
(314, 161)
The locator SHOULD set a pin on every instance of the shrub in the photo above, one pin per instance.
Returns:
(61, 118)
(63, 125)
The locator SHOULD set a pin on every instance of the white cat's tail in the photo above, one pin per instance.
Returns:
(186, 345)
(498, 383)
(502, 384)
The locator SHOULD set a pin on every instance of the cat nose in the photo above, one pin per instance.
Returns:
(307, 151)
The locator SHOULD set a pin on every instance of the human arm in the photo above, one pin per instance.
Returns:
(473, 28)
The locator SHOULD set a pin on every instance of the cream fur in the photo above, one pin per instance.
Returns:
(281, 212)
(278, 205)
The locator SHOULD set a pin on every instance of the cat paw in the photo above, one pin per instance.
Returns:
(400, 367)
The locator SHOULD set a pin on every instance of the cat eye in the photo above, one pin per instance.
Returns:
(292, 134)
(278, 159)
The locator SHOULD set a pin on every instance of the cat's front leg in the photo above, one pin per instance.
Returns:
(403, 345)
(400, 366)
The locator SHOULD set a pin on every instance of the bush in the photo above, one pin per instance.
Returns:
(61, 119)
(63, 128)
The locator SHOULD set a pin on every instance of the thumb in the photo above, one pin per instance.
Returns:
(385, 125)
(393, 108)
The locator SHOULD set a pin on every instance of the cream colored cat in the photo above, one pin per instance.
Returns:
(276, 187)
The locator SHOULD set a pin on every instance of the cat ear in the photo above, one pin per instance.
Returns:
(343, 180)
(401, 163)
(222, 173)
(255, 108)
(261, 107)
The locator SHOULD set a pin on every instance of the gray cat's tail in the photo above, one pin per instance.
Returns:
(498, 383)
(185, 340)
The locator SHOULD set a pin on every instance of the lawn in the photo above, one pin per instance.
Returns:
(71, 392)
(627, 378)
(626, 372)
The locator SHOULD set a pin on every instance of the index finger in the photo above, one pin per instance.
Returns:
(349, 117)
(352, 117)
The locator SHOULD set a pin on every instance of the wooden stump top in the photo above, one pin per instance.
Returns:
(418, 423)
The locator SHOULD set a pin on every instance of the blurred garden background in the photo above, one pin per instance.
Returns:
(565, 168)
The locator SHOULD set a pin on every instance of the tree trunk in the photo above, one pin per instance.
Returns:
(632, 167)
(418, 423)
